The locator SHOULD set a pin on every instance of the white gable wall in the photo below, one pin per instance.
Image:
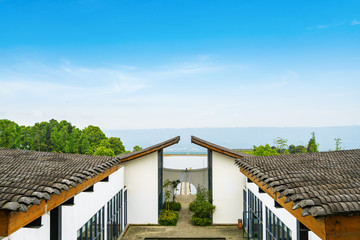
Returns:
(141, 180)
(228, 184)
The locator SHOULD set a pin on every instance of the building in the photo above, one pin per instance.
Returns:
(70, 196)
(302, 196)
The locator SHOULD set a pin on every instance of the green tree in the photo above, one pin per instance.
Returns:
(297, 149)
(116, 145)
(312, 145)
(84, 144)
(167, 192)
(264, 151)
(25, 137)
(95, 136)
(281, 144)
(337, 144)
(9, 134)
(103, 151)
(136, 148)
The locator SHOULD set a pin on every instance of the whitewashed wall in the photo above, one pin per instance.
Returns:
(33, 233)
(195, 176)
(313, 236)
(89, 203)
(228, 184)
(141, 180)
(288, 219)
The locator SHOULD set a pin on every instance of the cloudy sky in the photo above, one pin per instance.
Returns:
(175, 64)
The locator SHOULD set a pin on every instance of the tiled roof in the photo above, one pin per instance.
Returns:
(27, 177)
(322, 184)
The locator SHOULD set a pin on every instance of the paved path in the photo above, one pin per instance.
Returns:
(183, 228)
(185, 188)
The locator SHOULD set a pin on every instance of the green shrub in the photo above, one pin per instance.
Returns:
(204, 209)
(200, 221)
(168, 218)
(176, 206)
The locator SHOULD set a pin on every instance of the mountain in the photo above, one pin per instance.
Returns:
(241, 137)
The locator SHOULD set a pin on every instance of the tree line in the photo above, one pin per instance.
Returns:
(62, 137)
(281, 147)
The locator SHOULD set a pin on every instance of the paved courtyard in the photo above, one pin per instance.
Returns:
(184, 228)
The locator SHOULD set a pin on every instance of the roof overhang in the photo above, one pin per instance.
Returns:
(148, 150)
(11, 221)
(217, 148)
(329, 227)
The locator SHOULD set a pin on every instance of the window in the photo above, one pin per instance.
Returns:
(276, 229)
(253, 217)
(114, 216)
(94, 228)
(125, 207)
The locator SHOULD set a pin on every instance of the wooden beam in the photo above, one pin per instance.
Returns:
(342, 227)
(219, 150)
(316, 226)
(11, 221)
(151, 150)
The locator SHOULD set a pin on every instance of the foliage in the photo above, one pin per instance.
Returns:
(202, 207)
(167, 193)
(136, 148)
(312, 145)
(9, 134)
(297, 149)
(116, 145)
(281, 145)
(103, 151)
(337, 144)
(168, 217)
(264, 150)
(175, 206)
(54, 136)
(200, 221)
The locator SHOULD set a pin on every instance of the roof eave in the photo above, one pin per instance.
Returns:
(216, 148)
(149, 150)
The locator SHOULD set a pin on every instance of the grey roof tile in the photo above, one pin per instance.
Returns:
(325, 183)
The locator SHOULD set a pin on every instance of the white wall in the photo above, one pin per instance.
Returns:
(313, 236)
(33, 233)
(141, 180)
(228, 184)
(89, 203)
(288, 219)
(74, 217)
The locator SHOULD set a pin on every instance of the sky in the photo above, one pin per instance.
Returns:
(130, 64)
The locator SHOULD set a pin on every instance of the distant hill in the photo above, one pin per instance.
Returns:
(240, 138)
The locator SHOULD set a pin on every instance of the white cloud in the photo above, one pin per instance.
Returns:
(206, 94)
(355, 22)
(324, 26)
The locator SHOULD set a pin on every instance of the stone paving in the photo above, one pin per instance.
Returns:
(183, 229)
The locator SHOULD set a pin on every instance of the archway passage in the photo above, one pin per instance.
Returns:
(185, 188)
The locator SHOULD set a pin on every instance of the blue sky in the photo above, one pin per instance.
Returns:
(176, 64)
